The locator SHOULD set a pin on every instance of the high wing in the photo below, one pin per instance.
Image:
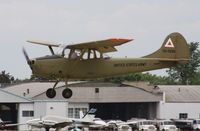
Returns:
(4, 126)
(50, 121)
(49, 44)
(44, 43)
(11, 125)
(102, 46)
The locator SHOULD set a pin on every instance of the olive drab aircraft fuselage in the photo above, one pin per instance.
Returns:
(87, 60)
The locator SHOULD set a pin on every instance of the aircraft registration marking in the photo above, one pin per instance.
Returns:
(129, 64)
(169, 43)
(169, 51)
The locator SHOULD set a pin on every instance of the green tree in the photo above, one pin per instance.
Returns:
(153, 79)
(196, 79)
(185, 74)
(37, 78)
(6, 77)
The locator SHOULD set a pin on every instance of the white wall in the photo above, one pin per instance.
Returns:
(39, 109)
(172, 110)
(78, 105)
(43, 108)
(56, 108)
(21, 119)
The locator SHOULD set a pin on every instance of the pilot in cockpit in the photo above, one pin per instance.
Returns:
(74, 55)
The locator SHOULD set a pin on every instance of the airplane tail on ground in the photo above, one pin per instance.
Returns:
(174, 48)
(89, 116)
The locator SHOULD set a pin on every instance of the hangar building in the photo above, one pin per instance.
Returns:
(113, 101)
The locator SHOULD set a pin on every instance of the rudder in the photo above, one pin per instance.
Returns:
(174, 47)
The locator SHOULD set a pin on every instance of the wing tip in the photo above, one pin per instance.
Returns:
(121, 39)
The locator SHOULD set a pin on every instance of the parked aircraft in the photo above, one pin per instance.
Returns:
(7, 124)
(87, 60)
(48, 122)
(59, 122)
(3, 123)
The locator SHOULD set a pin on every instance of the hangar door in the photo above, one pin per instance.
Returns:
(8, 113)
(125, 111)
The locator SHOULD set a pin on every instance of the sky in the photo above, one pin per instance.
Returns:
(148, 22)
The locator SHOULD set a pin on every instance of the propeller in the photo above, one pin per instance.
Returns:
(26, 55)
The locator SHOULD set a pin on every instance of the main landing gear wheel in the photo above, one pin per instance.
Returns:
(51, 93)
(67, 93)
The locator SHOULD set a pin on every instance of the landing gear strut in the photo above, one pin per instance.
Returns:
(67, 93)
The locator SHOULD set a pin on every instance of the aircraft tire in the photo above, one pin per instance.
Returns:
(67, 93)
(50, 93)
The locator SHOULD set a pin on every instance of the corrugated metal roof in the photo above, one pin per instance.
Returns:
(181, 93)
(8, 97)
(146, 86)
(34, 88)
(105, 95)
(85, 92)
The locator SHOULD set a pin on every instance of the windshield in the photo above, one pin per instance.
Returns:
(147, 123)
(69, 53)
(60, 49)
(196, 121)
(168, 123)
(80, 54)
(97, 119)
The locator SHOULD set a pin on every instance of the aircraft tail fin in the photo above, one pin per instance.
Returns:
(174, 47)
(81, 114)
(89, 115)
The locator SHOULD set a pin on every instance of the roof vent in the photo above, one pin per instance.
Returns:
(28, 91)
(96, 90)
(155, 87)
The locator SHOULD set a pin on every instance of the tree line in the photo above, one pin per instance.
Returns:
(188, 74)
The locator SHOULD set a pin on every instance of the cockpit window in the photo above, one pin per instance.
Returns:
(60, 49)
(82, 54)
(66, 52)
(147, 123)
(168, 123)
(74, 54)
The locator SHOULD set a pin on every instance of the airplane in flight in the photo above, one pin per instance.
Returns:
(84, 61)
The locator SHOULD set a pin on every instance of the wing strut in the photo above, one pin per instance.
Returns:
(51, 49)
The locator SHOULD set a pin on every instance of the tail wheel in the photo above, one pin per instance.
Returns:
(50, 93)
(67, 93)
